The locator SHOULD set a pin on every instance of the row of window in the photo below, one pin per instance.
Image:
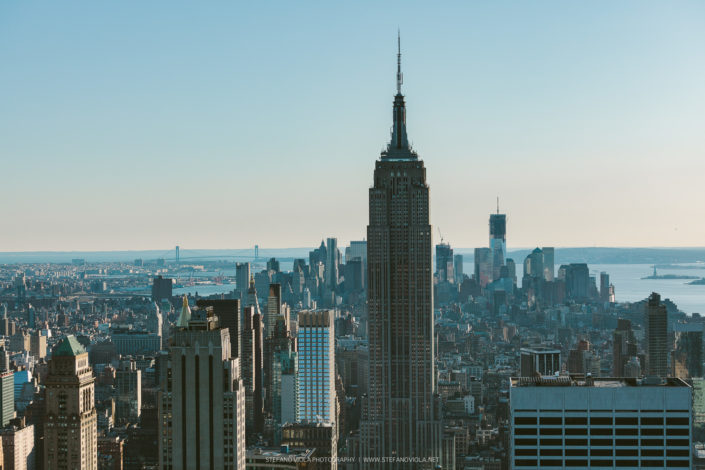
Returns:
(602, 431)
(602, 421)
(603, 452)
(601, 463)
(604, 442)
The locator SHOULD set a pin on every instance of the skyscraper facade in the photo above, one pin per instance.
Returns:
(253, 368)
(561, 422)
(155, 322)
(656, 321)
(401, 416)
(242, 279)
(316, 399)
(18, 450)
(280, 373)
(604, 287)
(624, 347)
(202, 403)
(577, 282)
(540, 360)
(483, 266)
(498, 242)
(686, 356)
(228, 313)
(7, 398)
(162, 288)
(458, 268)
(357, 249)
(444, 262)
(70, 421)
(274, 308)
(332, 262)
(128, 386)
(548, 263)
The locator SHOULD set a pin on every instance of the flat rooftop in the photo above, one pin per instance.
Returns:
(540, 350)
(280, 454)
(598, 382)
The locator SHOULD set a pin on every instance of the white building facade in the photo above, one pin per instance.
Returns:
(316, 398)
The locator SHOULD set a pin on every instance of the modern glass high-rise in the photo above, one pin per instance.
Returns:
(357, 249)
(498, 242)
(604, 287)
(548, 263)
(401, 415)
(316, 399)
(577, 282)
(483, 266)
(332, 262)
(458, 268)
(242, 280)
(444, 262)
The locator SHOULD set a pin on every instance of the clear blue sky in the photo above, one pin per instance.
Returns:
(142, 125)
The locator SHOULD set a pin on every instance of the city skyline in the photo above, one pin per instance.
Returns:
(116, 143)
(136, 126)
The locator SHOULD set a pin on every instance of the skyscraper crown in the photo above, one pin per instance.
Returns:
(398, 147)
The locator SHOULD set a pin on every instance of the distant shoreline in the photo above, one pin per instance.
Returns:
(591, 255)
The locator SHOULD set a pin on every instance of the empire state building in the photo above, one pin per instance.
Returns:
(401, 422)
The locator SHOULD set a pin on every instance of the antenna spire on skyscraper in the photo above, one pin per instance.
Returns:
(399, 147)
(400, 77)
(498, 204)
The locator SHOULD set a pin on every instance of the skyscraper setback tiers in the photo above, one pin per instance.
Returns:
(70, 425)
(401, 416)
(202, 402)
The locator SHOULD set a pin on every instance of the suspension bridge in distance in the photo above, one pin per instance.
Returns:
(178, 255)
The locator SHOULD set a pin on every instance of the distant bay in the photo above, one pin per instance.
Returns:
(630, 287)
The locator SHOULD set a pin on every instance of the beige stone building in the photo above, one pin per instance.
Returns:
(70, 422)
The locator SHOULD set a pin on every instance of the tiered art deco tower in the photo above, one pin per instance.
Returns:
(70, 422)
(401, 425)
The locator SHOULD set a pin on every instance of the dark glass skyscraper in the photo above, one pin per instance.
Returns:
(444, 262)
(656, 322)
(401, 416)
(498, 241)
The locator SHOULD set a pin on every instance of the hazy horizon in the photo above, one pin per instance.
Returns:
(563, 255)
(135, 125)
